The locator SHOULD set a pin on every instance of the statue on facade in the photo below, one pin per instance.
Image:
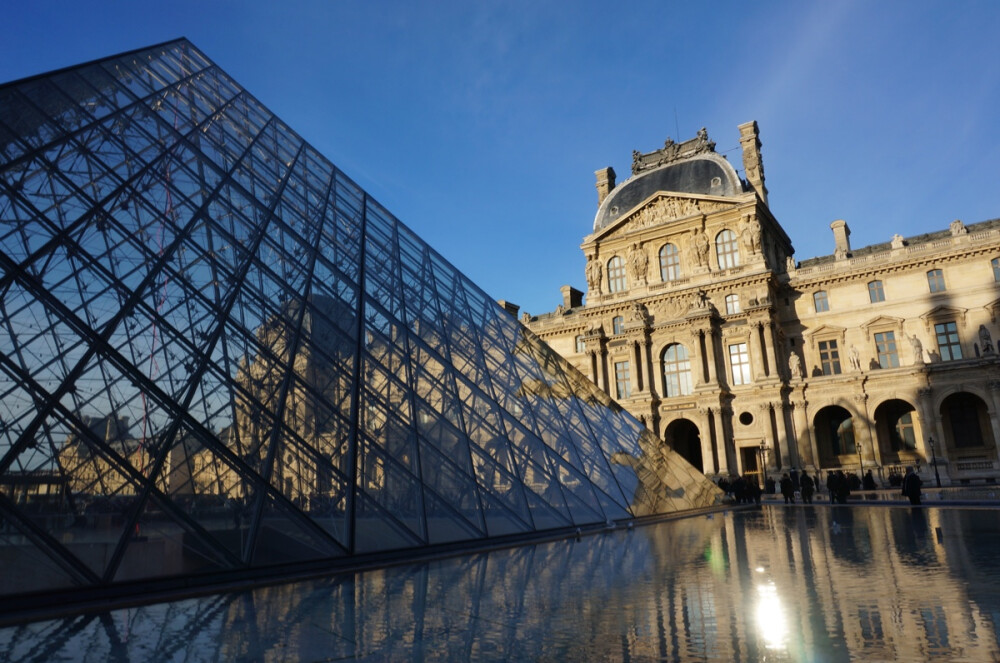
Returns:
(855, 357)
(755, 233)
(560, 309)
(958, 228)
(525, 317)
(638, 262)
(918, 349)
(701, 247)
(794, 365)
(985, 340)
(897, 241)
(639, 313)
(594, 274)
(789, 264)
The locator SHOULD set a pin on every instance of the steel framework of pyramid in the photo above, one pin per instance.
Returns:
(220, 357)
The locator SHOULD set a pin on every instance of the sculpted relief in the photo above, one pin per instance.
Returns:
(669, 208)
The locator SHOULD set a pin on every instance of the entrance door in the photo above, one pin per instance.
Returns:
(749, 457)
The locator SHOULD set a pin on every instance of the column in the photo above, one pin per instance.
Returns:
(756, 352)
(707, 457)
(788, 445)
(698, 358)
(645, 351)
(863, 437)
(805, 441)
(928, 423)
(778, 452)
(710, 354)
(634, 367)
(772, 359)
(720, 442)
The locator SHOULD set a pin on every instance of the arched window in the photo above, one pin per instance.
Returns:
(727, 249)
(670, 263)
(617, 281)
(732, 304)
(676, 371)
(820, 301)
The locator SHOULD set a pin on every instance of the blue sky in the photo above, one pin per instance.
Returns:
(480, 124)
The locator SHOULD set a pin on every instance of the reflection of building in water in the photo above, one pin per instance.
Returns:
(700, 322)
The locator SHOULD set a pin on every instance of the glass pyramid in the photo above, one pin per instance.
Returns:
(220, 358)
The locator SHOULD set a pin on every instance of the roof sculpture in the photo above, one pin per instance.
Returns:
(220, 358)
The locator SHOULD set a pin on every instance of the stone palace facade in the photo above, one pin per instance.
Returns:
(701, 323)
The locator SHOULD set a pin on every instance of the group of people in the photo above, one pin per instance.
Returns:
(746, 490)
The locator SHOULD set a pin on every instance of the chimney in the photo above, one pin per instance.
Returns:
(510, 307)
(571, 296)
(841, 238)
(753, 166)
(605, 183)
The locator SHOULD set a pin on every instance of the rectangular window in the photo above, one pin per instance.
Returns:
(995, 264)
(829, 357)
(581, 345)
(821, 302)
(875, 292)
(947, 340)
(622, 385)
(739, 359)
(935, 280)
(732, 304)
(885, 345)
(617, 324)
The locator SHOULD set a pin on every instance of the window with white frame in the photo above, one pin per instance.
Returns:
(581, 344)
(739, 361)
(676, 371)
(727, 249)
(617, 281)
(885, 347)
(829, 357)
(670, 263)
(617, 324)
(995, 264)
(623, 388)
(732, 304)
(949, 346)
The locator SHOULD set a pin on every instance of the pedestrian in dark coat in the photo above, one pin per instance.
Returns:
(786, 489)
(911, 486)
(807, 485)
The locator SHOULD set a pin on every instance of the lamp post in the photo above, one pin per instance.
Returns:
(937, 477)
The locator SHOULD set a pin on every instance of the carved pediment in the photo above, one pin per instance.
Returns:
(661, 209)
(944, 313)
(671, 152)
(882, 321)
(824, 332)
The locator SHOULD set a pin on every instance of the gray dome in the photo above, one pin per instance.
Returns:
(707, 173)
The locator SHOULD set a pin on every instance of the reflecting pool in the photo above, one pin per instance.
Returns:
(776, 584)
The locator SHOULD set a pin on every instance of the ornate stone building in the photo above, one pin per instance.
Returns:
(699, 321)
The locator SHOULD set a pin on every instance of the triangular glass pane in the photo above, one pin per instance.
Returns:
(386, 483)
(284, 536)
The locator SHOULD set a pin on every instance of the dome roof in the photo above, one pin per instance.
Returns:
(706, 173)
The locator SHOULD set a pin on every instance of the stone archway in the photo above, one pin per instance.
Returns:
(966, 421)
(896, 429)
(834, 430)
(683, 437)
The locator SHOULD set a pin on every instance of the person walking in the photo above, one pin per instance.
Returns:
(807, 486)
(786, 489)
(911, 486)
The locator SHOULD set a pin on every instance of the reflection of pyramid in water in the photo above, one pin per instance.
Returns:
(218, 353)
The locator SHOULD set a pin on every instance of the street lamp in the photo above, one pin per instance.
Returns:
(763, 459)
(937, 477)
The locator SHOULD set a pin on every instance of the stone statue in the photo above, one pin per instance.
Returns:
(594, 274)
(794, 365)
(560, 309)
(855, 358)
(755, 233)
(958, 228)
(985, 340)
(789, 264)
(897, 241)
(918, 349)
(639, 312)
(638, 262)
(525, 317)
(701, 247)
